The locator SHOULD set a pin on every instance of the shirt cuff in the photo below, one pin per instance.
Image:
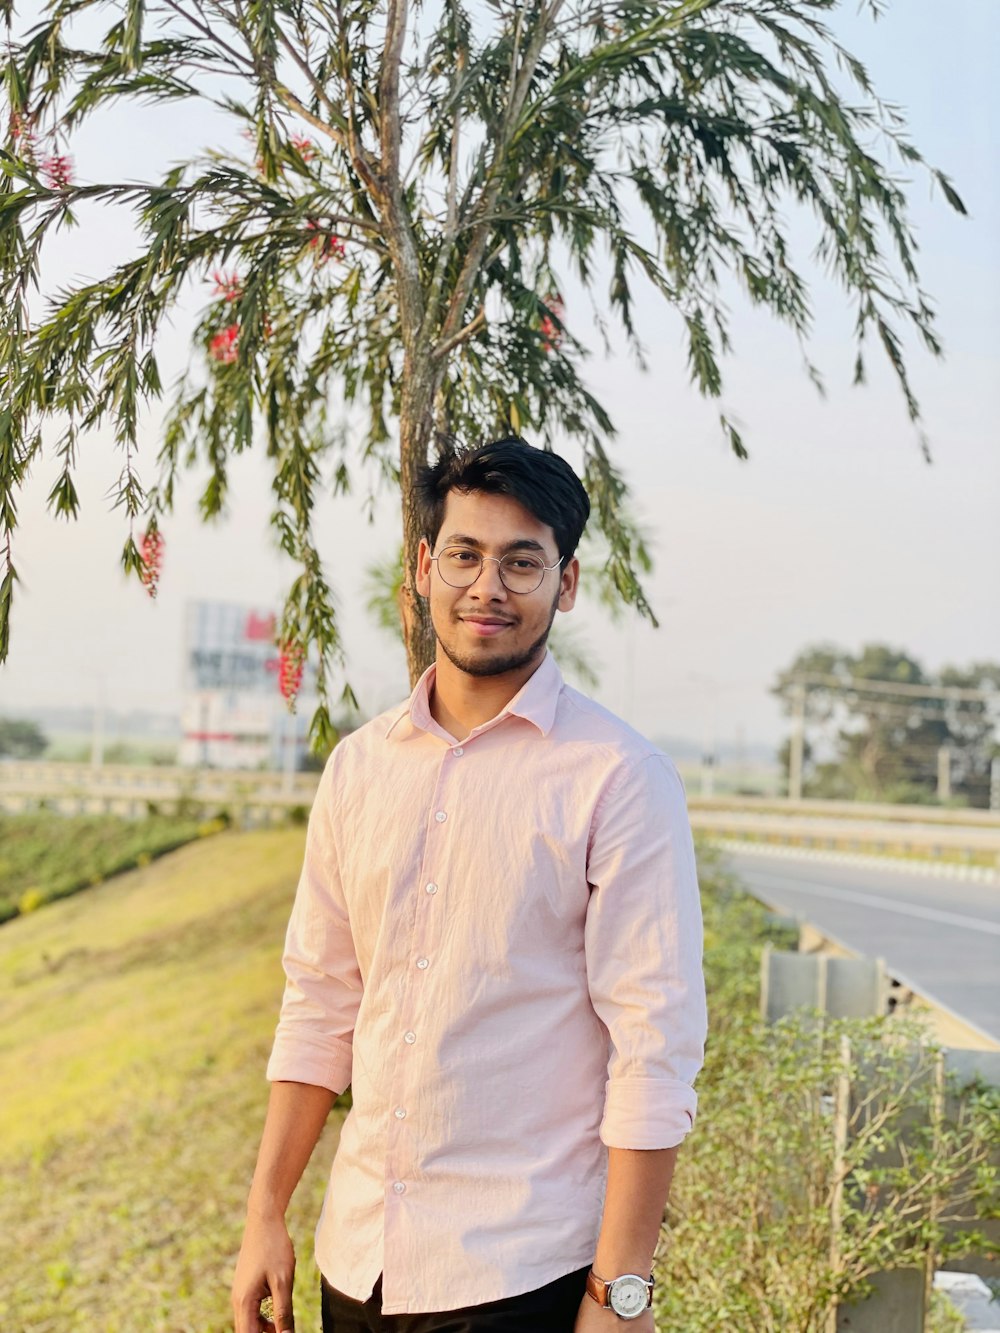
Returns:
(324, 1064)
(647, 1112)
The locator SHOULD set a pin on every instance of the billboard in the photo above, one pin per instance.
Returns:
(230, 647)
(233, 715)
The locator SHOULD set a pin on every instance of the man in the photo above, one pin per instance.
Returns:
(496, 940)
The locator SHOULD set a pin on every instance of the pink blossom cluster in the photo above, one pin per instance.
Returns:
(151, 547)
(224, 346)
(228, 286)
(551, 334)
(291, 664)
(56, 169)
(304, 146)
(323, 243)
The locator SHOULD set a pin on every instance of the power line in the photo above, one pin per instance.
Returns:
(860, 684)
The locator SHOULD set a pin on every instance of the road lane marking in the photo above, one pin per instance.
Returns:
(977, 923)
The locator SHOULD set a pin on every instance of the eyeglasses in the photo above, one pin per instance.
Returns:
(460, 566)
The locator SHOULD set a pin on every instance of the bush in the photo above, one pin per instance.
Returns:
(48, 856)
(30, 900)
(825, 1152)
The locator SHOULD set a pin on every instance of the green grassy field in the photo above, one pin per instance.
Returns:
(135, 1021)
(44, 856)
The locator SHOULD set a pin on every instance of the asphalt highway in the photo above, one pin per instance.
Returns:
(938, 933)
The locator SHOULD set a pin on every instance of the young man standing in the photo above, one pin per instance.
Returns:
(496, 940)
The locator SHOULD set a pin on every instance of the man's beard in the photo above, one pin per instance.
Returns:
(497, 666)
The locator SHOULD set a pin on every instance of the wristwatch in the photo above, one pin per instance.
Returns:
(629, 1296)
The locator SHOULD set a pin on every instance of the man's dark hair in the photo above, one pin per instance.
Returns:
(540, 481)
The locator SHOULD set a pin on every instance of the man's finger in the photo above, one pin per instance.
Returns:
(281, 1293)
(247, 1312)
(283, 1320)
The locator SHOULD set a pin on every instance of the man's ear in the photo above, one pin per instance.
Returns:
(424, 568)
(569, 582)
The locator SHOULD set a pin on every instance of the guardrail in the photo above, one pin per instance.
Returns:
(970, 844)
(921, 814)
(133, 789)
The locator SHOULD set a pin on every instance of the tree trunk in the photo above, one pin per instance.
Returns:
(416, 427)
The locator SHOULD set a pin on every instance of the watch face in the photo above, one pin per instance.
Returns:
(628, 1296)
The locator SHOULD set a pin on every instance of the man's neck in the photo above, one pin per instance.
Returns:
(459, 702)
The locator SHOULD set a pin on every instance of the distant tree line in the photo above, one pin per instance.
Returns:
(21, 739)
(865, 740)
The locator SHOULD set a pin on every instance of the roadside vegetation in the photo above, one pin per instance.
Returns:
(136, 1023)
(44, 856)
(772, 1217)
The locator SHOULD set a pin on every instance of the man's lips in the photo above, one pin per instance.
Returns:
(486, 626)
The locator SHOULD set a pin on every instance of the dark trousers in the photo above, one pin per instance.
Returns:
(550, 1309)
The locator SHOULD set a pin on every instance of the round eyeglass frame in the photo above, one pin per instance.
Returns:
(511, 555)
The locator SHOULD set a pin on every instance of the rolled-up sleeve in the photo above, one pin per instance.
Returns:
(644, 955)
(323, 986)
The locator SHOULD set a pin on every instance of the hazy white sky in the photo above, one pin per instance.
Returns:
(835, 529)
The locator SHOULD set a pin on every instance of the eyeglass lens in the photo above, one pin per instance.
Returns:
(460, 566)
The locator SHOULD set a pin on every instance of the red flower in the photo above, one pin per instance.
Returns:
(551, 333)
(57, 171)
(224, 346)
(22, 130)
(291, 664)
(324, 243)
(228, 286)
(304, 146)
(151, 552)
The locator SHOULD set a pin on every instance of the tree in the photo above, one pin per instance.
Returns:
(393, 253)
(20, 739)
(972, 727)
(889, 732)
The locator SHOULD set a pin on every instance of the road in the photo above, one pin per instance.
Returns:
(938, 933)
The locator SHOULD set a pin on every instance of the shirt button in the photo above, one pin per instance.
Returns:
(430, 888)
(458, 751)
(441, 816)
(400, 1113)
(399, 1187)
(422, 963)
(409, 1038)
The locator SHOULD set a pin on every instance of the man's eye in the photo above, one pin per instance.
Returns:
(461, 557)
(523, 564)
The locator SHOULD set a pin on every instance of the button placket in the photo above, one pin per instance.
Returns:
(410, 1001)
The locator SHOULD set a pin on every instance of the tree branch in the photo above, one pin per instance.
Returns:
(484, 205)
(400, 227)
(208, 31)
(467, 331)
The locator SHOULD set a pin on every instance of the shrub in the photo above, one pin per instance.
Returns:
(30, 900)
(825, 1151)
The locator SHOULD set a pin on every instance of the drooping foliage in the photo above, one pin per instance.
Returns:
(383, 269)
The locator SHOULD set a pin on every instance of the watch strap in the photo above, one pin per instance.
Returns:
(599, 1290)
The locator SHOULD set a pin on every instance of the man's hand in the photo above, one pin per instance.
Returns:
(593, 1318)
(265, 1268)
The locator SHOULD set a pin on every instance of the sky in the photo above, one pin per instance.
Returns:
(836, 529)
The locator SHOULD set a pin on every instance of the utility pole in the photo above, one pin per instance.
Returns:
(796, 749)
(97, 727)
(995, 782)
(944, 774)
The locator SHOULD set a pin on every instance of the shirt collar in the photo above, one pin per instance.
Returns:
(535, 701)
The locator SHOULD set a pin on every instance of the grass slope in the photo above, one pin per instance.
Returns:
(45, 856)
(135, 1021)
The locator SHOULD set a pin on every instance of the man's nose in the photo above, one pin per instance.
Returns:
(489, 584)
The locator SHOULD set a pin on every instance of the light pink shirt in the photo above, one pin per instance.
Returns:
(497, 943)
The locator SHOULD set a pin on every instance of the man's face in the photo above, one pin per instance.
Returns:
(486, 630)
